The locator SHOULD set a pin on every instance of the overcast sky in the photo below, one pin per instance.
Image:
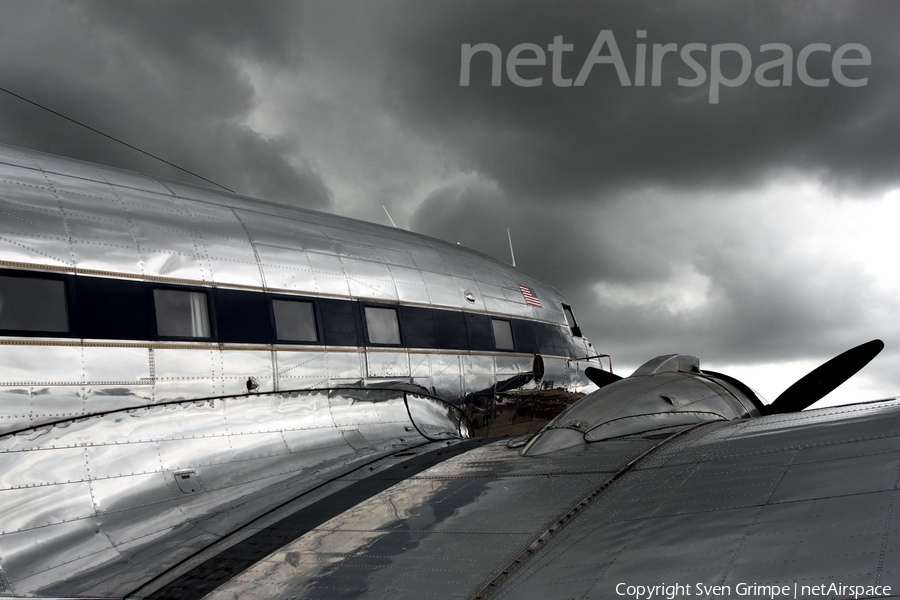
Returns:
(757, 232)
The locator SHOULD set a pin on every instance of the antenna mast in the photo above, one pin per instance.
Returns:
(511, 253)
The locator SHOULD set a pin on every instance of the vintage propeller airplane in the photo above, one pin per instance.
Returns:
(206, 394)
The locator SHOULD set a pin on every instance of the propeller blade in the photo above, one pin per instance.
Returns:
(600, 377)
(825, 378)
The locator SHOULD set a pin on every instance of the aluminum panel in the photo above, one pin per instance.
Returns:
(168, 248)
(369, 279)
(206, 449)
(28, 508)
(17, 409)
(149, 490)
(153, 423)
(555, 373)
(397, 240)
(236, 366)
(37, 251)
(120, 458)
(230, 256)
(419, 365)
(397, 258)
(364, 252)
(305, 369)
(387, 364)
(409, 285)
(496, 305)
(41, 468)
(152, 209)
(49, 404)
(482, 270)
(76, 546)
(103, 246)
(436, 420)
(304, 410)
(478, 372)
(447, 377)
(251, 414)
(198, 192)
(243, 271)
(428, 259)
(174, 256)
(247, 446)
(509, 366)
(442, 291)
(18, 157)
(31, 234)
(310, 240)
(31, 215)
(213, 221)
(182, 373)
(151, 558)
(29, 178)
(116, 366)
(389, 411)
(458, 267)
(106, 239)
(351, 407)
(380, 437)
(82, 190)
(264, 229)
(132, 182)
(345, 366)
(489, 290)
(40, 365)
(142, 527)
(286, 269)
(328, 274)
(312, 447)
(99, 399)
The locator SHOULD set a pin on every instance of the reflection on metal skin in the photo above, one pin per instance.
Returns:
(121, 457)
(650, 422)
(131, 493)
(436, 420)
(498, 394)
(665, 392)
(65, 216)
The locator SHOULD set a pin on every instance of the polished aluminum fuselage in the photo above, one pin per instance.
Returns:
(66, 216)
(121, 457)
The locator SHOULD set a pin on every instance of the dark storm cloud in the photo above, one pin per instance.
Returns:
(565, 168)
(638, 203)
(165, 77)
(550, 141)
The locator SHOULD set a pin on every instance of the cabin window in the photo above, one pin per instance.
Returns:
(295, 321)
(382, 325)
(503, 339)
(181, 314)
(33, 304)
(570, 319)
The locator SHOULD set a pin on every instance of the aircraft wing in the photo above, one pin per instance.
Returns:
(804, 500)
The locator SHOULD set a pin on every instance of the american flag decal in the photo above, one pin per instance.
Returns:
(531, 298)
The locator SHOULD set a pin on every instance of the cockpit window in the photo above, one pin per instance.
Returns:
(33, 304)
(503, 339)
(295, 321)
(382, 325)
(181, 314)
(570, 319)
